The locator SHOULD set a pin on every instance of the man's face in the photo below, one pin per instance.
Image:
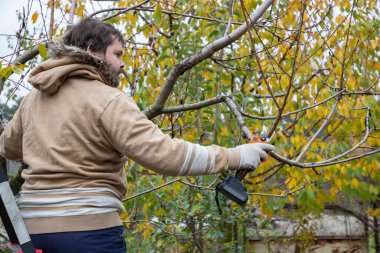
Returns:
(113, 56)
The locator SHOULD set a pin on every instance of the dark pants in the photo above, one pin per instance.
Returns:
(109, 240)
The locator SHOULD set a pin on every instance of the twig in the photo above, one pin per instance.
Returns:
(190, 16)
(319, 164)
(263, 76)
(293, 112)
(282, 195)
(368, 130)
(325, 123)
(281, 109)
(72, 9)
(121, 10)
(152, 189)
(51, 26)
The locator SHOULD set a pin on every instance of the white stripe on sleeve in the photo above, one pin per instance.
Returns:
(200, 161)
(187, 158)
(212, 161)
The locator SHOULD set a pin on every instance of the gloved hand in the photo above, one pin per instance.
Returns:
(252, 154)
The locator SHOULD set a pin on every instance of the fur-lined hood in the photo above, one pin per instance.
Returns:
(68, 61)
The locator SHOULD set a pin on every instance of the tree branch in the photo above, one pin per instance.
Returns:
(72, 9)
(293, 112)
(190, 16)
(263, 75)
(324, 124)
(277, 120)
(231, 104)
(51, 25)
(319, 164)
(150, 190)
(121, 10)
(28, 55)
(195, 106)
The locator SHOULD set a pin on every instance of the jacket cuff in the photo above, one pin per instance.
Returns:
(233, 158)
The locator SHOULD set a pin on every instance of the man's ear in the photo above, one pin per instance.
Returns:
(92, 50)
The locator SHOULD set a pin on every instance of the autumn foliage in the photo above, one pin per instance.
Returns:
(304, 72)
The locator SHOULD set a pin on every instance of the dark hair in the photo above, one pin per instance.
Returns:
(91, 33)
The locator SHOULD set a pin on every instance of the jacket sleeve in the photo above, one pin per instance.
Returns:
(11, 138)
(135, 136)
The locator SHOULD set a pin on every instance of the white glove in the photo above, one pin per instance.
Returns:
(252, 154)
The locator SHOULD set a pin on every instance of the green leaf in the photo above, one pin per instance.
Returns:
(213, 33)
(157, 15)
(162, 56)
(310, 195)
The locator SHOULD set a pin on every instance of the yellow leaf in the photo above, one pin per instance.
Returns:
(146, 233)
(374, 44)
(374, 213)
(355, 182)
(339, 19)
(376, 65)
(375, 164)
(34, 17)
(146, 208)
(290, 198)
(180, 121)
(80, 10)
(224, 131)
(347, 4)
(351, 82)
(338, 182)
(292, 182)
(372, 4)
(333, 191)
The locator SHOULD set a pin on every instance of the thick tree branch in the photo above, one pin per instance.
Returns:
(195, 59)
(231, 104)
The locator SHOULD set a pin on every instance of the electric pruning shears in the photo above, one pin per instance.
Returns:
(232, 187)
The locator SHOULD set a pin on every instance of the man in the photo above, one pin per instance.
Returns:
(75, 131)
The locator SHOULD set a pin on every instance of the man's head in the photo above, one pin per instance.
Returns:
(99, 38)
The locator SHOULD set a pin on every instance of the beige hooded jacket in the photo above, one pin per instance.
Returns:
(75, 131)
